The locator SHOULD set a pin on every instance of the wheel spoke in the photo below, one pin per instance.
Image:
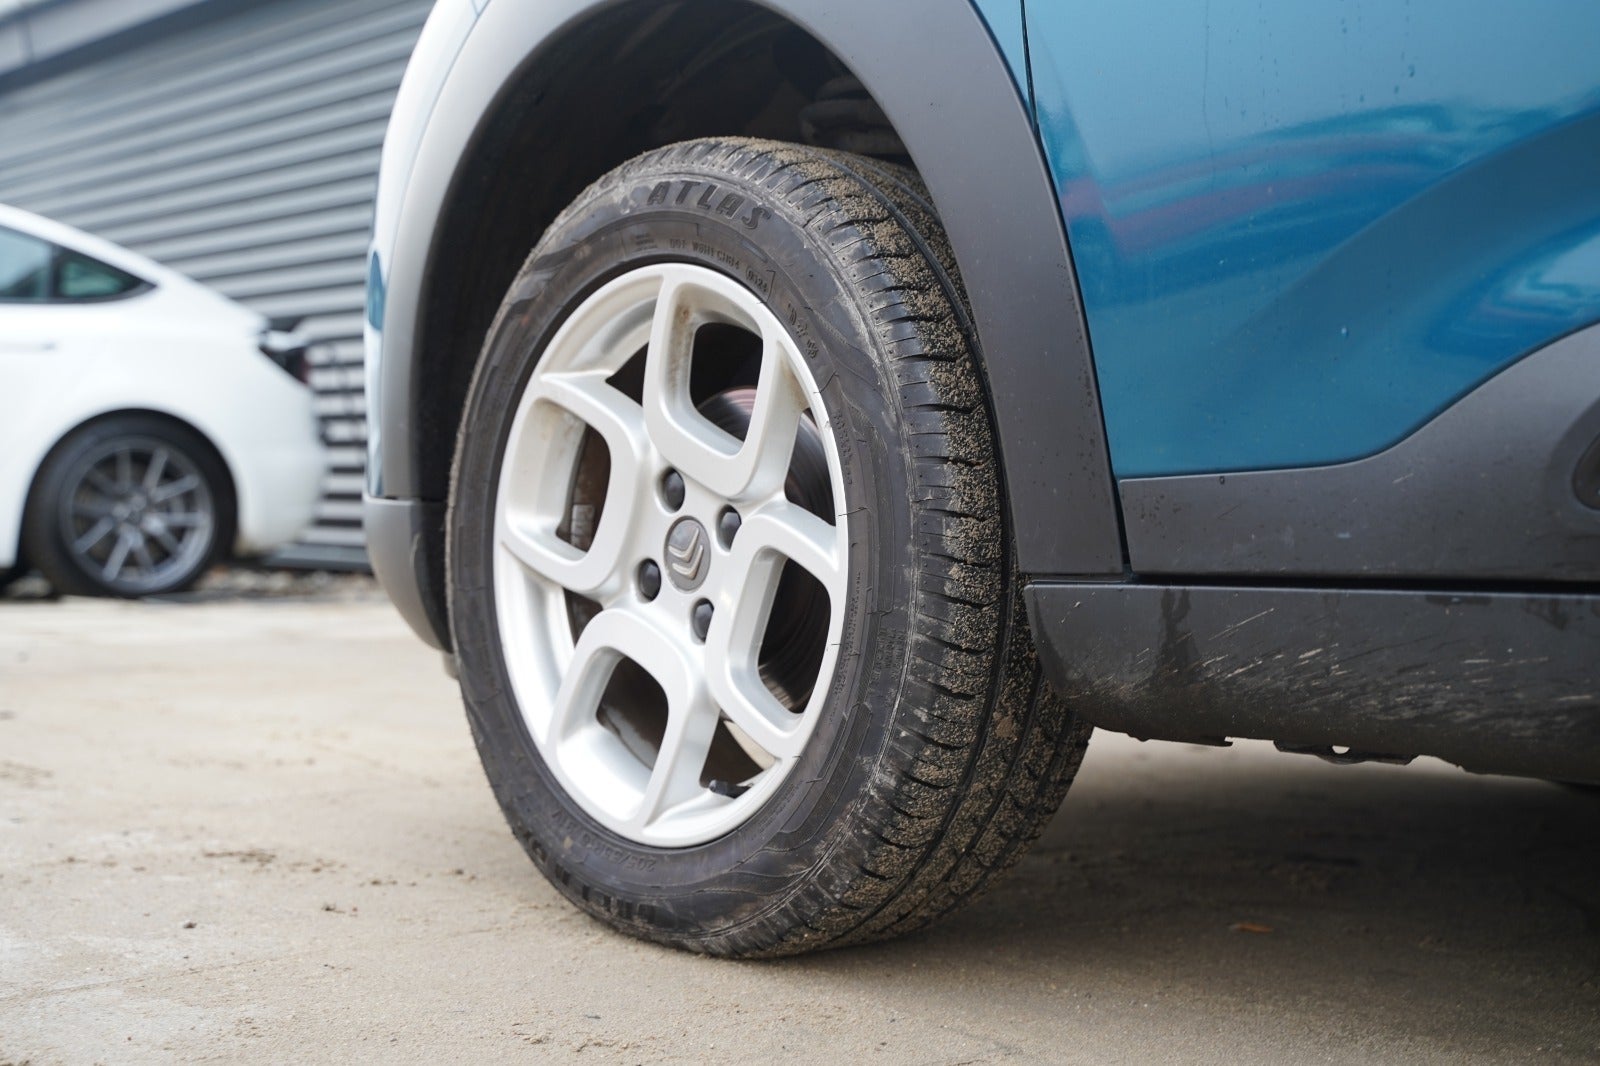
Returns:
(588, 397)
(736, 470)
(610, 636)
(124, 461)
(745, 590)
(187, 519)
(141, 553)
(94, 535)
(614, 635)
(769, 442)
(749, 704)
(532, 503)
(174, 489)
(157, 467)
(544, 555)
(577, 701)
(168, 542)
(107, 487)
(675, 777)
(795, 533)
(118, 557)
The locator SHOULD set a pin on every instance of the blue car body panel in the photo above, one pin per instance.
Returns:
(1304, 229)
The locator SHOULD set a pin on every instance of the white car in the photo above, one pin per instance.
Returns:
(148, 425)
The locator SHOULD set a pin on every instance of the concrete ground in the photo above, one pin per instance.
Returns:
(255, 830)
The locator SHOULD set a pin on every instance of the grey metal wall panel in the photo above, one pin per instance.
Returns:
(48, 29)
(242, 151)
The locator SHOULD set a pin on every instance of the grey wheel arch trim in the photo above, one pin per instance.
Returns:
(397, 532)
(999, 207)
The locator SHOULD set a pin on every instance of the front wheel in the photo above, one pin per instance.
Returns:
(731, 584)
(128, 506)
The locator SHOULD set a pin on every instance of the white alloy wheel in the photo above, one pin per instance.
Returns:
(677, 566)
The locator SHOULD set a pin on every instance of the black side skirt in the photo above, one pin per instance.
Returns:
(1496, 682)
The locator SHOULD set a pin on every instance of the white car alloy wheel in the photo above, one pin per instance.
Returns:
(676, 564)
(731, 589)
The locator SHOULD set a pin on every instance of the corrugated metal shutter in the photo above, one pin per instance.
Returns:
(242, 151)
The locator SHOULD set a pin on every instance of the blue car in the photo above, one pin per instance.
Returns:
(800, 424)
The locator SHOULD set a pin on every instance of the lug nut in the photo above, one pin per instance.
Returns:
(672, 490)
(728, 526)
(700, 620)
(649, 580)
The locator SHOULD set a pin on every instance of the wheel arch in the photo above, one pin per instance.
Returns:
(540, 103)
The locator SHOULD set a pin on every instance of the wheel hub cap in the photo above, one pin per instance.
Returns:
(688, 554)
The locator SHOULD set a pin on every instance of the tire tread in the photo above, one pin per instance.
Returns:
(983, 791)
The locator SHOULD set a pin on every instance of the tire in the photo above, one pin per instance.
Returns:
(927, 751)
(131, 505)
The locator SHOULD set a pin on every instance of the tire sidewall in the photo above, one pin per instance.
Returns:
(765, 242)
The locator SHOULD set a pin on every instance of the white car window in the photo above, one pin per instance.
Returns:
(24, 267)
